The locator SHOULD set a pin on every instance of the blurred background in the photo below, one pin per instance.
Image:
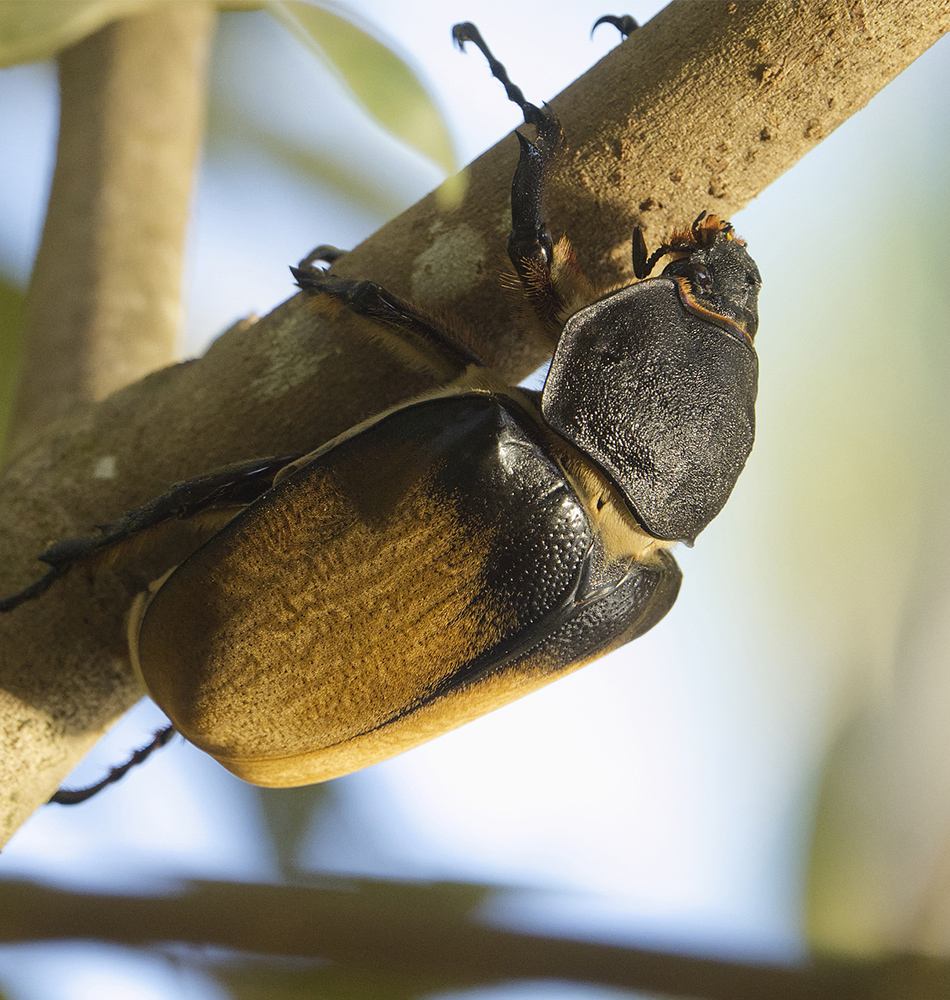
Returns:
(769, 767)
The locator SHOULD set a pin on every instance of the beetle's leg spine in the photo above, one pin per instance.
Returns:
(642, 264)
(73, 796)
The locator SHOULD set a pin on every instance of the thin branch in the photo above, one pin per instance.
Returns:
(702, 108)
(425, 933)
(104, 299)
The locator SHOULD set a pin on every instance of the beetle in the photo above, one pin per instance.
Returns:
(458, 551)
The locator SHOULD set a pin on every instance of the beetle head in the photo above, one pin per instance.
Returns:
(718, 279)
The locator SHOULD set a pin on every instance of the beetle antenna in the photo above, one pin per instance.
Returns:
(661, 251)
(73, 796)
(624, 23)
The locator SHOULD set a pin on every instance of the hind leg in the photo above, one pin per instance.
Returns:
(231, 489)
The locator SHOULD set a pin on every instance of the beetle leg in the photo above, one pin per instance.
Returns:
(74, 796)
(530, 247)
(323, 254)
(550, 278)
(624, 23)
(544, 119)
(529, 243)
(447, 348)
(232, 488)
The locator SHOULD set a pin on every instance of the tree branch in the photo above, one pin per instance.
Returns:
(426, 934)
(104, 299)
(702, 108)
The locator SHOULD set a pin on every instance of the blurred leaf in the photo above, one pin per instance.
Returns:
(879, 879)
(11, 324)
(878, 574)
(360, 187)
(378, 78)
(32, 30)
(37, 29)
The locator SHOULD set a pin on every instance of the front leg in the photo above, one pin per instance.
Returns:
(530, 247)
(550, 278)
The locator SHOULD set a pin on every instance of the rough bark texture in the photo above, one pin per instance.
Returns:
(702, 108)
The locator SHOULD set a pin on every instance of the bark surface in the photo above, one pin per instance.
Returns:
(701, 109)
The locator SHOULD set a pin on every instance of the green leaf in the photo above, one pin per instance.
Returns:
(32, 30)
(326, 165)
(38, 29)
(379, 80)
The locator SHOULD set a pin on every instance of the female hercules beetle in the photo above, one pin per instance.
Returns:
(454, 553)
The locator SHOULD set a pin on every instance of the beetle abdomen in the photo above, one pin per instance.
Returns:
(426, 555)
